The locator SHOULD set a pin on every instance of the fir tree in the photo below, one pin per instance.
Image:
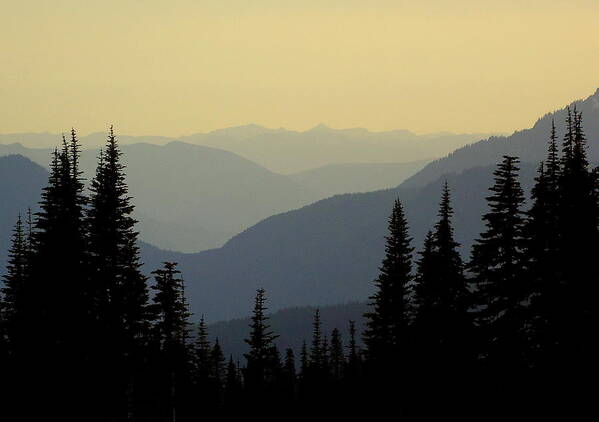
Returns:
(12, 306)
(496, 264)
(120, 294)
(202, 350)
(172, 329)
(57, 291)
(337, 359)
(232, 384)
(441, 320)
(261, 345)
(389, 318)
(316, 352)
(578, 246)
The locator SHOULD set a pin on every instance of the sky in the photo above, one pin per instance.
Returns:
(179, 67)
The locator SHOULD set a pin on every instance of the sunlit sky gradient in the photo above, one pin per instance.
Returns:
(184, 66)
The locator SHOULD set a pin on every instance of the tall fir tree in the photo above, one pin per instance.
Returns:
(57, 291)
(496, 264)
(120, 298)
(316, 349)
(172, 331)
(543, 268)
(260, 341)
(337, 358)
(579, 245)
(12, 303)
(442, 323)
(390, 307)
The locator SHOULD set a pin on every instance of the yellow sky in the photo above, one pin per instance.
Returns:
(184, 66)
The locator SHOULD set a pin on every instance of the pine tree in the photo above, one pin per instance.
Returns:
(12, 306)
(316, 352)
(337, 359)
(389, 317)
(232, 384)
(496, 264)
(57, 291)
(203, 352)
(261, 344)
(304, 360)
(172, 332)
(289, 376)
(218, 362)
(120, 298)
(578, 246)
(441, 320)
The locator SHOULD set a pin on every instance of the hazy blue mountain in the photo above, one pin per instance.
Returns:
(335, 179)
(529, 144)
(329, 252)
(93, 140)
(21, 182)
(286, 151)
(324, 253)
(192, 197)
(293, 325)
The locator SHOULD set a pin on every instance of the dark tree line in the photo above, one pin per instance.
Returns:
(84, 335)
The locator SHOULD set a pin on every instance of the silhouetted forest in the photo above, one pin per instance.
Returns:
(511, 332)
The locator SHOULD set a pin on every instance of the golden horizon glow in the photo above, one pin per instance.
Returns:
(178, 67)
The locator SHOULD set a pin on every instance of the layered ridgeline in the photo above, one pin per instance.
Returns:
(192, 197)
(329, 252)
(21, 182)
(286, 151)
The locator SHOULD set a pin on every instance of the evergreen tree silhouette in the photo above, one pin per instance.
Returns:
(202, 349)
(579, 245)
(11, 305)
(389, 318)
(120, 293)
(57, 293)
(543, 258)
(316, 350)
(289, 379)
(172, 331)
(496, 264)
(233, 387)
(337, 358)
(441, 318)
(259, 358)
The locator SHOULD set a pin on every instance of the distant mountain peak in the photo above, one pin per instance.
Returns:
(321, 127)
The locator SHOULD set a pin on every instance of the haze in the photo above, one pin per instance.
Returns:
(180, 67)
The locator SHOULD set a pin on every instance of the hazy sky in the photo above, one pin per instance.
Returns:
(176, 67)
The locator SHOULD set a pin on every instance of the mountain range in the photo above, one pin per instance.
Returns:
(328, 252)
(192, 197)
(287, 151)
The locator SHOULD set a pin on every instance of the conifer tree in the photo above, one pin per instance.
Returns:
(316, 352)
(12, 306)
(304, 360)
(57, 291)
(218, 363)
(172, 330)
(260, 341)
(232, 384)
(441, 319)
(337, 359)
(496, 264)
(389, 317)
(202, 350)
(120, 296)
(579, 245)
(289, 376)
